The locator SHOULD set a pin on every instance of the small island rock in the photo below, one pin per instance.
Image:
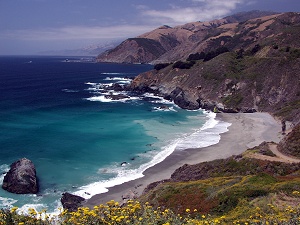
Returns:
(21, 178)
(71, 202)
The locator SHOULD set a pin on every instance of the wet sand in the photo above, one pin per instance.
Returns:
(246, 131)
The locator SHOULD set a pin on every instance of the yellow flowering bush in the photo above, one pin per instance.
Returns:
(135, 213)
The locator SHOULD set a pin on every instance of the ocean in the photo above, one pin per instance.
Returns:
(53, 111)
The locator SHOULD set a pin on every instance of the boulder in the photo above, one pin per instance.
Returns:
(21, 178)
(248, 110)
(116, 97)
(182, 99)
(71, 202)
(117, 87)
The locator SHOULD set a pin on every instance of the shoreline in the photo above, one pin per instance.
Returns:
(246, 131)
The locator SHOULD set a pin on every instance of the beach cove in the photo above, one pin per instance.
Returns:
(247, 130)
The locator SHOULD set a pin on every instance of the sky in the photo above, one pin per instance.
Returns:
(32, 26)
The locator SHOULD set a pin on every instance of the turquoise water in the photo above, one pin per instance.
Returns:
(54, 112)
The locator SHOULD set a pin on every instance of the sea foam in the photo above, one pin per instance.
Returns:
(207, 135)
(124, 175)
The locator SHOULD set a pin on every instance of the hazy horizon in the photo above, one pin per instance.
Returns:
(33, 26)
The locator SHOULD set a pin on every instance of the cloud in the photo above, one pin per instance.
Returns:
(203, 10)
(77, 33)
(174, 14)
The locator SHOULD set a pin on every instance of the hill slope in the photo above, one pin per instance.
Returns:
(230, 84)
(166, 44)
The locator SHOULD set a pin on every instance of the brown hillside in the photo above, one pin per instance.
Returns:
(174, 43)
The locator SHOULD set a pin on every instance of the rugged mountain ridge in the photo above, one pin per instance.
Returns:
(167, 43)
(259, 71)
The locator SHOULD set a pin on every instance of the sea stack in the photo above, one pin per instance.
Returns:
(21, 178)
(71, 202)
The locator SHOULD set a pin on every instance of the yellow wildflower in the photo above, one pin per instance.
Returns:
(13, 209)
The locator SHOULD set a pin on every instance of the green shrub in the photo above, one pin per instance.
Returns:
(196, 56)
(183, 65)
(161, 66)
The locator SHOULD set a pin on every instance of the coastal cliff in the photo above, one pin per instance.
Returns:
(244, 63)
(230, 84)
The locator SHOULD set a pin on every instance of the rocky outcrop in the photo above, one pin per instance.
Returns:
(116, 97)
(290, 145)
(181, 99)
(21, 178)
(71, 202)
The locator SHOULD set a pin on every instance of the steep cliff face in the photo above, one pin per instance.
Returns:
(231, 84)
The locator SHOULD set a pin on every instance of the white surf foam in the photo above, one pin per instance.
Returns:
(7, 202)
(90, 83)
(117, 78)
(112, 73)
(102, 98)
(3, 170)
(165, 109)
(207, 135)
(124, 175)
(158, 99)
(25, 208)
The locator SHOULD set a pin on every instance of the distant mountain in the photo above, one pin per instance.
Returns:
(243, 16)
(166, 43)
(91, 50)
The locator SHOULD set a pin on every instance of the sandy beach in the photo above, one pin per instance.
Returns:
(246, 131)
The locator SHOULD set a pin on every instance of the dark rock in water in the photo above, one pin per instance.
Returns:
(71, 202)
(116, 97)
(123, 163)
(117, 87)
(133, 158)
(21, 178)
(164, 107)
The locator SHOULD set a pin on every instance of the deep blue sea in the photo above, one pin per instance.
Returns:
(53, 111)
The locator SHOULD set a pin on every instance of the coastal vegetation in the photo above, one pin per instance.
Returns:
(134, 212)
(236, 190)
(260, 72)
